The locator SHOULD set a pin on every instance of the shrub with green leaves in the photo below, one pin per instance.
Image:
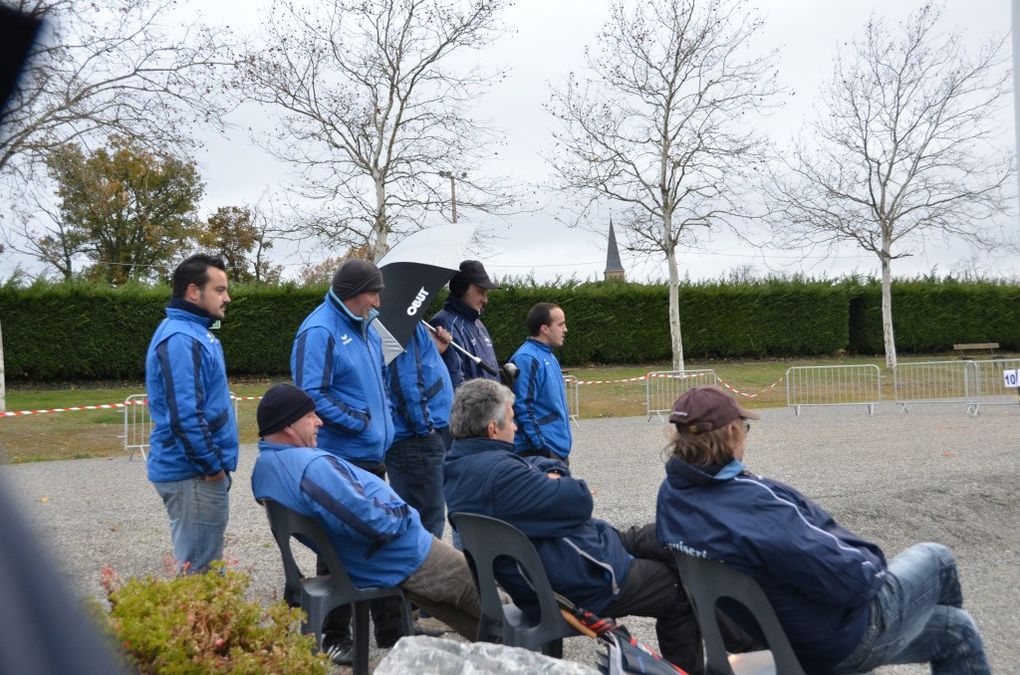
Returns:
(201, 623)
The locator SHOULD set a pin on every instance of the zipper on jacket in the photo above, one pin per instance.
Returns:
(604, 565)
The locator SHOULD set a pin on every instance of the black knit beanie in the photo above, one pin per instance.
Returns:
(281, 406)
(356, 276)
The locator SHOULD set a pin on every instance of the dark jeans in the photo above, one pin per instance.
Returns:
(652, 588)
(385, 612)
(415, 466)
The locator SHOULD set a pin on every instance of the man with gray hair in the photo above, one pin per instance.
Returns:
(588, 561)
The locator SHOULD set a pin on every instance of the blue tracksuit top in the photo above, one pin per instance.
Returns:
(819, 577)
(379, 538)
(467, 329)
(420, 387)
(337, 358)
(540, 409)
(583, 556)
(194, 432)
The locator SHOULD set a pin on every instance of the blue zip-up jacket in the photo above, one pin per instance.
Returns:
(819, 577)
(583, 556)
(540, 409)
(194, 432)
(337, 358)
(468, 331)
(420, 388)
(379, 538)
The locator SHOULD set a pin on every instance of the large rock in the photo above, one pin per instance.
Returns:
(437, 656)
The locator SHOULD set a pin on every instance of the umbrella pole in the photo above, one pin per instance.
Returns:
(481, 364)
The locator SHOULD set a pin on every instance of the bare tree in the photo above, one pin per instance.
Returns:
(371, 106)
(906, 144)
(124, 67)
(659, 125)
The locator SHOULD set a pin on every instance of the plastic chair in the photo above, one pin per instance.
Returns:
(485, 539)
(320, 595)
(707, 581)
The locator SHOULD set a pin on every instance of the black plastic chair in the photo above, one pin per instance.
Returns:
(320, 595)
(708, 581)
(485, 539)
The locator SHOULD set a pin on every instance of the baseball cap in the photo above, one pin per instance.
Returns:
(704, 409)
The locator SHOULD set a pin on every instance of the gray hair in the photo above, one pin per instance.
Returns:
(476, 403)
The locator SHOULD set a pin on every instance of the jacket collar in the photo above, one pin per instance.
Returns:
(679, 472)
(340, 308)
(180, 308)
(457, 306)
(474, 446)
(540, 344)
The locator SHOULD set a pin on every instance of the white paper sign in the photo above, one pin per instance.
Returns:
(1009, 378)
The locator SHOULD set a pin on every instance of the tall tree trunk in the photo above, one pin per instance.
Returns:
(887, 324)
(3, 382)
(380, 227)
(674, 295)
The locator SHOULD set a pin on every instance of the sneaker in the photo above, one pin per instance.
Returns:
(339, 649)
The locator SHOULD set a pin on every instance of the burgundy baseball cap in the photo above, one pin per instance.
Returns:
(706, 409)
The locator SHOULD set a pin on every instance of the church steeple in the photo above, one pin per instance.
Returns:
(614, 268)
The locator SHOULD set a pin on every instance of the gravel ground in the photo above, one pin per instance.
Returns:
(934, 474)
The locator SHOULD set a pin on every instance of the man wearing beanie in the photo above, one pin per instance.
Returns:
(194, 435)
(337, 360)
(461, 315)
(378, 537)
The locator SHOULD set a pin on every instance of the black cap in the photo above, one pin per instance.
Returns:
(356, 276)
(281, 406)
(471, 272)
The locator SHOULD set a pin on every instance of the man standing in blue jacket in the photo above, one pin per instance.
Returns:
(337, 359)
(543, 419)
(378, 537)
(590, 562)
(421, 394)
(842, 606)
(461, 315)
(193, 445)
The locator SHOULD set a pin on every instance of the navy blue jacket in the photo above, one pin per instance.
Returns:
(337, 358)
(819, 577)
(420, 388)
(194, 432)
(583, 556)
(379, 538)
(468, 331)
(540, 409)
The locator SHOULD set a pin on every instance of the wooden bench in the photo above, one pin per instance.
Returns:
(972, 346)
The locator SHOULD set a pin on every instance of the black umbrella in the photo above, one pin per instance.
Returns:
(414, 270)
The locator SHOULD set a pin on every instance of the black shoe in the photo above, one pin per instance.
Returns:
(339, 648)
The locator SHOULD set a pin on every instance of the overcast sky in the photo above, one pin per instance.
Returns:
(546, 40)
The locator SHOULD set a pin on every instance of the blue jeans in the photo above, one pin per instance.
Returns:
(415, 468)
(198, 511)
(917, 618)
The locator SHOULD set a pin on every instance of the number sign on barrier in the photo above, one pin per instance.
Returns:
(1009, 378)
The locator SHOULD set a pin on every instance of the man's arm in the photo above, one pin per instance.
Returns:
(408, 387)
(525, 496)
(312, 368)
(180, 364)
(337, 493)
(454, 362)
(526, 389)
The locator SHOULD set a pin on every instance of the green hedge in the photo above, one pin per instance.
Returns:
(85, 332)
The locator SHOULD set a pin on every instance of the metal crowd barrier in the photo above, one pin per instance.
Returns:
(989, 387)
(138, 423)
(663, 388)
(834, 385)
(573, 387)
(927, 382)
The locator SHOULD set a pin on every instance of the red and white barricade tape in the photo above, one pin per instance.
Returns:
(98, 406)
(756, 394)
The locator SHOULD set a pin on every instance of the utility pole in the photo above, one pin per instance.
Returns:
(1015, 30)
(453, 188)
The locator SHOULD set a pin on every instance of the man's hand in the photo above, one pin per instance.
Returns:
(216, 477)
(442, 338)
(553, 474)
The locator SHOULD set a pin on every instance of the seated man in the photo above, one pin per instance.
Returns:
(842, 607)
(596, 567)
(379, 538)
